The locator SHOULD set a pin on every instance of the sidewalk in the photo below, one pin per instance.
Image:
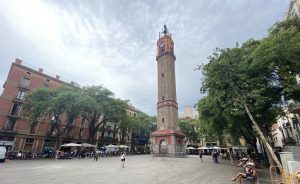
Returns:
(264, 176)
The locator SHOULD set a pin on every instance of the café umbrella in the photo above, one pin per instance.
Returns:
(204, 147)
(87, 145)
(190, 148)
(71, 145)
(124, 146)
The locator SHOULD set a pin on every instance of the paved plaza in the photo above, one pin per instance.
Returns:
(142, 169)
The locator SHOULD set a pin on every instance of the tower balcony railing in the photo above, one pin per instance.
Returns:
(166, 53)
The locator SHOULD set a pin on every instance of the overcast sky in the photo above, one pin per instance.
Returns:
(113, 43)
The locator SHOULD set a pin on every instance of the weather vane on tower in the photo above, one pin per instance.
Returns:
(165, 31)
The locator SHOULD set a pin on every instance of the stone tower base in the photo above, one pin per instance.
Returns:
(168, 143)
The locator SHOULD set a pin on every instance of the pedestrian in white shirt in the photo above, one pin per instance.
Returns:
(123, 159)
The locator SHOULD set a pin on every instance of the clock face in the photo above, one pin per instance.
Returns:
(162, 44)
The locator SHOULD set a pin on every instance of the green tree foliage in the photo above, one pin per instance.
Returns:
(96, 104)
(140, 127)
(256, 79)
(105, 109)
(191, 129)
(36, 104)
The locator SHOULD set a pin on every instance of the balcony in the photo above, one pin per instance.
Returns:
(16, 99)
(13, 115)
(24, 85)
(7, 131)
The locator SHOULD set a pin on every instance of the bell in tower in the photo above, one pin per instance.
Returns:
(168, 139)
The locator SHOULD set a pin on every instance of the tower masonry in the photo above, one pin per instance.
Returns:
(168, 139)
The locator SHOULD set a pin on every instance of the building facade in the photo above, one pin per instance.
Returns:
(19, 134)
(294, 9)
(16, 133)
(168, 139)
(189, 113)
(286, 130)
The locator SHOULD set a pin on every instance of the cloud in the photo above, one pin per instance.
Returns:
(114, 42)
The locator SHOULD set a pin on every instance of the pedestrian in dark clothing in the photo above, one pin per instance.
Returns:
(200, 155)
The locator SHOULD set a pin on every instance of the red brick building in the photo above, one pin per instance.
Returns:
(17, 133)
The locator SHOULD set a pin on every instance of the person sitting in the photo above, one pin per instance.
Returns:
(250, 174)
(243, 162)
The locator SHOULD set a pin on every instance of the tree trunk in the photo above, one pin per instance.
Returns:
(264, 140)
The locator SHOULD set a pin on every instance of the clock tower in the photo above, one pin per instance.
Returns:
(168, 139)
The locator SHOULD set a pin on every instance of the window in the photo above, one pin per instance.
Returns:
(162, 74)
(15, 109)
(21, 95)
(46, 86)
(69, 132)
(82, 122)
(33, 128)
(11, 124)
(28, 73)
(25, 82)
(29, 140)
(80, 133)
(48, 80)
(163, 120)
(163, 97)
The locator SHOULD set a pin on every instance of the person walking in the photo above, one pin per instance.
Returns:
(232, 158)
(215, 157)
(96, 156)
(200, 155)
(56, 155)
(123, 159)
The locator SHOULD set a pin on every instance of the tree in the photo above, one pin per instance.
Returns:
(191, 129)
(36, 105)
(140, 128)
(221, 123)
(96, 104)
(258, 78)
(104, 109)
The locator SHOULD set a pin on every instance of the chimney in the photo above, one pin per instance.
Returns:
(57, 77)
(41, 70)
(18, 61)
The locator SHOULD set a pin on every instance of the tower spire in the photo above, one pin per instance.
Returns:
(164, 32)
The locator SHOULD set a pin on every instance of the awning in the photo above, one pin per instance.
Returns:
(124, 146)
(87, 145)
(190, 148)
(204, 147)
(111, 146)
(71, 145)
